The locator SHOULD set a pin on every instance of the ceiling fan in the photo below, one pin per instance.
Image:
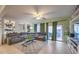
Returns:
(37, 14)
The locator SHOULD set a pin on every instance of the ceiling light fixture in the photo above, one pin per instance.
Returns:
(37, 16)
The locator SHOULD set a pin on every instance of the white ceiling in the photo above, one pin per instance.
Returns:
(1, 8)
(26, 11)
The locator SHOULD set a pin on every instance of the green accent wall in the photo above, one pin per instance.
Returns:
(42, 27)
(54, 30)
(62, 21)
(47, 29)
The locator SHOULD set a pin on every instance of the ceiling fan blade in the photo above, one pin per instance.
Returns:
(28, 14)
(49, 13)
(44, 18)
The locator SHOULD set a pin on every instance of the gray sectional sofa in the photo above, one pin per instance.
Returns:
(12, 38)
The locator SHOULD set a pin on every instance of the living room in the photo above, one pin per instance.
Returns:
(28, 28)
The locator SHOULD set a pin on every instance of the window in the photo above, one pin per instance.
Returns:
(76, 30)
(59, 33)
(38, 27)
(49, 32)
(31, 29)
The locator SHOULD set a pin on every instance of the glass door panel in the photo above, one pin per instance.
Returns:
(49, 32)
(59, 33)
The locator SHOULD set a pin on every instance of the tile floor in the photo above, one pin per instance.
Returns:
(51, 47)
(55, 47)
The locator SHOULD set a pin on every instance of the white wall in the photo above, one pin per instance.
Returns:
(0, 32)
(21, 21)
(0, 35)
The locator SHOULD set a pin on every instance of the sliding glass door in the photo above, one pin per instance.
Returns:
(38, 27)
(59, 33)
(50, 32)
(76, 30)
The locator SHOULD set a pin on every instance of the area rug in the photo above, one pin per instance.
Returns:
(32, 48)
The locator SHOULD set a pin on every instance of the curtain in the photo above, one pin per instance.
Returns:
(35, 27)
(54, 24)
(42, 27)
(47, 30)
